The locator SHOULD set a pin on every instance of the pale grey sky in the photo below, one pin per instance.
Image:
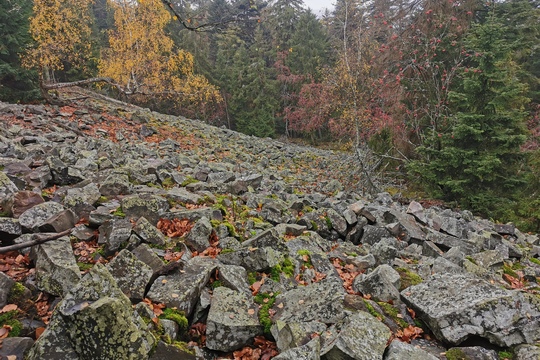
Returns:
(318, 6)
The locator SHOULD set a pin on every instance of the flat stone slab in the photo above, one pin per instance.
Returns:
(457, 306)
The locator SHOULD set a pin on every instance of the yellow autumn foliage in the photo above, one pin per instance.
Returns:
(142, 58)
(61, 30)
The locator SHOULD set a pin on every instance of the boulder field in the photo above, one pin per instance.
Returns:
(159, 237)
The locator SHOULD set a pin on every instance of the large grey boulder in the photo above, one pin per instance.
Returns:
(382, 283)
(131, 274)
(398, 350)
(309, 351)
(232, 320)
(181, 289)
(152, 207)
(94, 321)
(116, 184)
(362, 337)
(9, 229)
(113, 234)
(148, 232)
(56, 268)
(36, 216)
(199, 236)
(290, 335)
(322, 301)
(458, 306)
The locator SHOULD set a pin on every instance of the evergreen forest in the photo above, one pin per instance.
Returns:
(446, 94)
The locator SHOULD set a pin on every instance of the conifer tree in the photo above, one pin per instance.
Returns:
(476, 162)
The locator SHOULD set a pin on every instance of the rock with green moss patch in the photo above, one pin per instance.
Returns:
(56, 268)
(181, 289)
(131, 274)
(171, 351)
(399, 350)
(471, 353)
(361, 337)
(457, 306)
(232, 320)
(152, 207)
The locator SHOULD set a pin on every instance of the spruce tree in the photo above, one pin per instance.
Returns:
(476, 162)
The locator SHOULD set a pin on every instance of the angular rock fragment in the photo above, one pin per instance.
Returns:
(232, 320)
(59, 222)
(458, 306)
(181, 289)
(152, 207)
(114, 233)
(36, 216)
(24, 200)
(56, 269)
(9, 229)
(291, 335)
(199, 236)
(382, 283)
(362, 337)
(148, 232)
(321, 301)
(309, 351)
(398, 350)
(131, 274)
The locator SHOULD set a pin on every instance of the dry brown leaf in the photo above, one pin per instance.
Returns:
(8, 307)
(39, 331)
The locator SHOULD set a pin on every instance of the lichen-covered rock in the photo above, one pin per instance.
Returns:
(471, 353)
(94, 321)
(398, 350)
(382, 283)
(322, 301)
(181, 195)
(181, 289)
(337, 222)
(148, 232)
(165, 351)
(527, 352)
(56, 269)
(9, 229)
(252, 259)
(116, 184)
(234, 277)
(361, 337)
(144, 253)
(232, 320)
(114, 233)
(88, 194)
(457, 306)
(199, 236)
(54, 343)
(64, 220)
(36, 216)
(291, 335)
(131, 274)
(309, 351)
(152, 207)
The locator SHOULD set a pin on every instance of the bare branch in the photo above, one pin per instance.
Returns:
(36, 240)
